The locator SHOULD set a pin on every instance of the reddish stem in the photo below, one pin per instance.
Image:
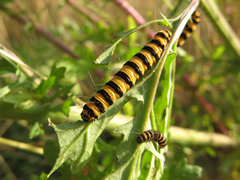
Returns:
(86, 11)
(134, 13)
(48, 35)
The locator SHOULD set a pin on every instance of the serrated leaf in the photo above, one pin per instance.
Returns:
(77, 139)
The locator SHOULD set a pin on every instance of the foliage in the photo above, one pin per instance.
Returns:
(48, 79)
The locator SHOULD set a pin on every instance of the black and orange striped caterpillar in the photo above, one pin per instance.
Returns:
(131, 71)
(189, 28)
(152, 135)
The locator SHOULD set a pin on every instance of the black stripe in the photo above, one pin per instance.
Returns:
(115, 87)
(156, 134)
(162, 46)
(125, 77)
(196, 16)
(85, 117)
(98, 104)
(148, 135)
(169, 35)
(163, 35)
(106, 96)
(139, 140)
(152, 51)
(162, 142)
(152, 134)
(144, 137)
(144, 59)
(183, 35)
(194, 20)
(89, 111)
(188, 28)
(160, 138)
(135, 67)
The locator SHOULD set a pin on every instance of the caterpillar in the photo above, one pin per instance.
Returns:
(126, 77)
(152, 135)
(131, 71)
(189, 28)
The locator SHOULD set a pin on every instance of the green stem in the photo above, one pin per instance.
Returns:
(220, 22)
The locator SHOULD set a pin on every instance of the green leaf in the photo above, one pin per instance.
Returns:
(182, 170)
(76, 140)
(108, 52)
(6, 67)
(58, 72)
(148, 167)
(43, 176)
(66, 106)
(36, 130)
(46, 85)
(105, 57)
(166, 22)
(218, 52)
(51, 151)
(18, 99)
(5, 90)
(53, 80)
(129, 165)
(162, 102)
(130, 157)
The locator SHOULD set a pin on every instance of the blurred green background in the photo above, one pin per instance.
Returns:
(72, 34)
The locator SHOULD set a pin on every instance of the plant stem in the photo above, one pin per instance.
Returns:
(22, 146)
(219, 21)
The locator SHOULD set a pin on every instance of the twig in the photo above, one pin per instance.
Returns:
(16, 61)
(22, 146)
(48, 35)
(193, 137)
(184, 135)
(86, 11)
(134, 13)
